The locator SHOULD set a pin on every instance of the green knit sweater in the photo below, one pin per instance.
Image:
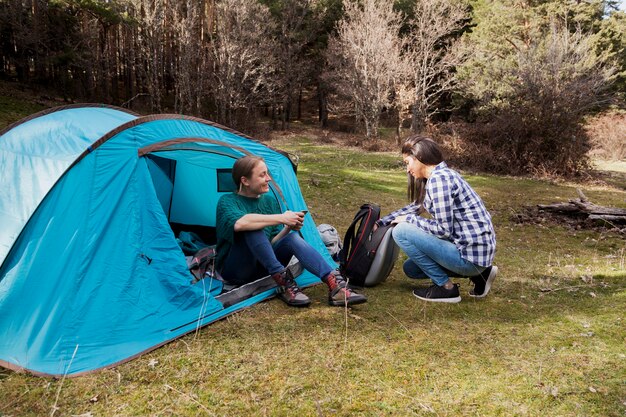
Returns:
(231, 208)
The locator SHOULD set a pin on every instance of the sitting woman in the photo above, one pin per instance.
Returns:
(254, 239)
(457, 240)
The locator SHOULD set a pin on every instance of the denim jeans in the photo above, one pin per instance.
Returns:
(430, 256)
(252, 256)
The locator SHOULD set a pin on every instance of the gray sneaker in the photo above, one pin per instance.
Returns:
(288, 290)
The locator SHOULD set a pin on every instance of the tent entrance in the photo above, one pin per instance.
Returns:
(188, 185)
(189, 178)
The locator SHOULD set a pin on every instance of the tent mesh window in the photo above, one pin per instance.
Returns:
(225, 183)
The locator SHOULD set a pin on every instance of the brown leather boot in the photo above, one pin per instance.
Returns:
(338, 292)
(288, 290)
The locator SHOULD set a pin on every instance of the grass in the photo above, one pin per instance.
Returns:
(549, 339)
(613, 172)
(13, 109)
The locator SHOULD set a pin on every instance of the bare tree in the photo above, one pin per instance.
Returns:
(191, 57)
(151, 47)
(365, 59)
(404, 97)
(434, 57)
(242, 56)
(293, 65)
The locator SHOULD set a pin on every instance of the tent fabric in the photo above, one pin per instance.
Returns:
(86, 200)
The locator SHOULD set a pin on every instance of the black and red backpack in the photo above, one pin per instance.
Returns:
(367, 256)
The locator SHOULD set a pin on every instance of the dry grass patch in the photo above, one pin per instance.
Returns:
(548, 340)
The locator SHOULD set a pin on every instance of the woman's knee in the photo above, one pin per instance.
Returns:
(407, 234)
(403, 233)
(253, 238)
(294, 240)
(251, 234)
(292, 237)
(291, 245)
(294, 245)
(411, 270)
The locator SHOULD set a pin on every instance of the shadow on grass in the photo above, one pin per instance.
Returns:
(518, 302)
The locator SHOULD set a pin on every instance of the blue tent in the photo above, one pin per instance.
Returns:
(91, 197)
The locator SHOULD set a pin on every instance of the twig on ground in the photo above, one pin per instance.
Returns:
(345, 331)
(189, 397)
(6, 406)
(424, 407)
(565, 288)
(56, 400)
(319, 408)
(186, 344)
(402, 325)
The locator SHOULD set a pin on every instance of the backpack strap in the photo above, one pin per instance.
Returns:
(350, 235)
(201, 262)
(365, 218)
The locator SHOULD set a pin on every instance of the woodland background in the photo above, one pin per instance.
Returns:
(508, 86)
(524, 87)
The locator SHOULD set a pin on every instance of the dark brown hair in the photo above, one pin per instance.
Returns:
(244, 166)
(426, 151)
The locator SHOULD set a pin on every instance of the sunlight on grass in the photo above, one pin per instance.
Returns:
(548, 340)
(617, 166)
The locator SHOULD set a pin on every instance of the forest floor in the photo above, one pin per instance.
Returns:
(548, 340)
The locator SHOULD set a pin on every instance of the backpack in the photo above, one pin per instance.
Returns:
(367, 257)
(202, 263)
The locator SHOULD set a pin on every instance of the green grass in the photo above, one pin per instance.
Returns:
(13, 109)
(549, 340)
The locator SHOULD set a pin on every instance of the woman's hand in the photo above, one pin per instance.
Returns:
(293, 219)
(399, 219)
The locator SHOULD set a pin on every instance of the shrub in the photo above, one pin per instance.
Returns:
(537, 126)
(607, 133)
(480, 147)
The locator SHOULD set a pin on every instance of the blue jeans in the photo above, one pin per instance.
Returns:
(252, 256)
(431, 257)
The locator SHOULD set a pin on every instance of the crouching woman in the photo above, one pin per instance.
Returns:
(255, 238)
(457, 240)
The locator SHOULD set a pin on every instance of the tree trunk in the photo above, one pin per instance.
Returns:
(299, 117)
(322, 103)
(273, 118)
(39, 55)
(418, 121)
(398, 124)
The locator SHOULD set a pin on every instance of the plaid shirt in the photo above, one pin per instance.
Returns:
(458, 215)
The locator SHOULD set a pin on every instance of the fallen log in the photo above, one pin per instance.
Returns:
(608, 218)
(583, 208)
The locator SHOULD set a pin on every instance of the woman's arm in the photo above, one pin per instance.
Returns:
(281, 234)
(411, 208)
(254, 221)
